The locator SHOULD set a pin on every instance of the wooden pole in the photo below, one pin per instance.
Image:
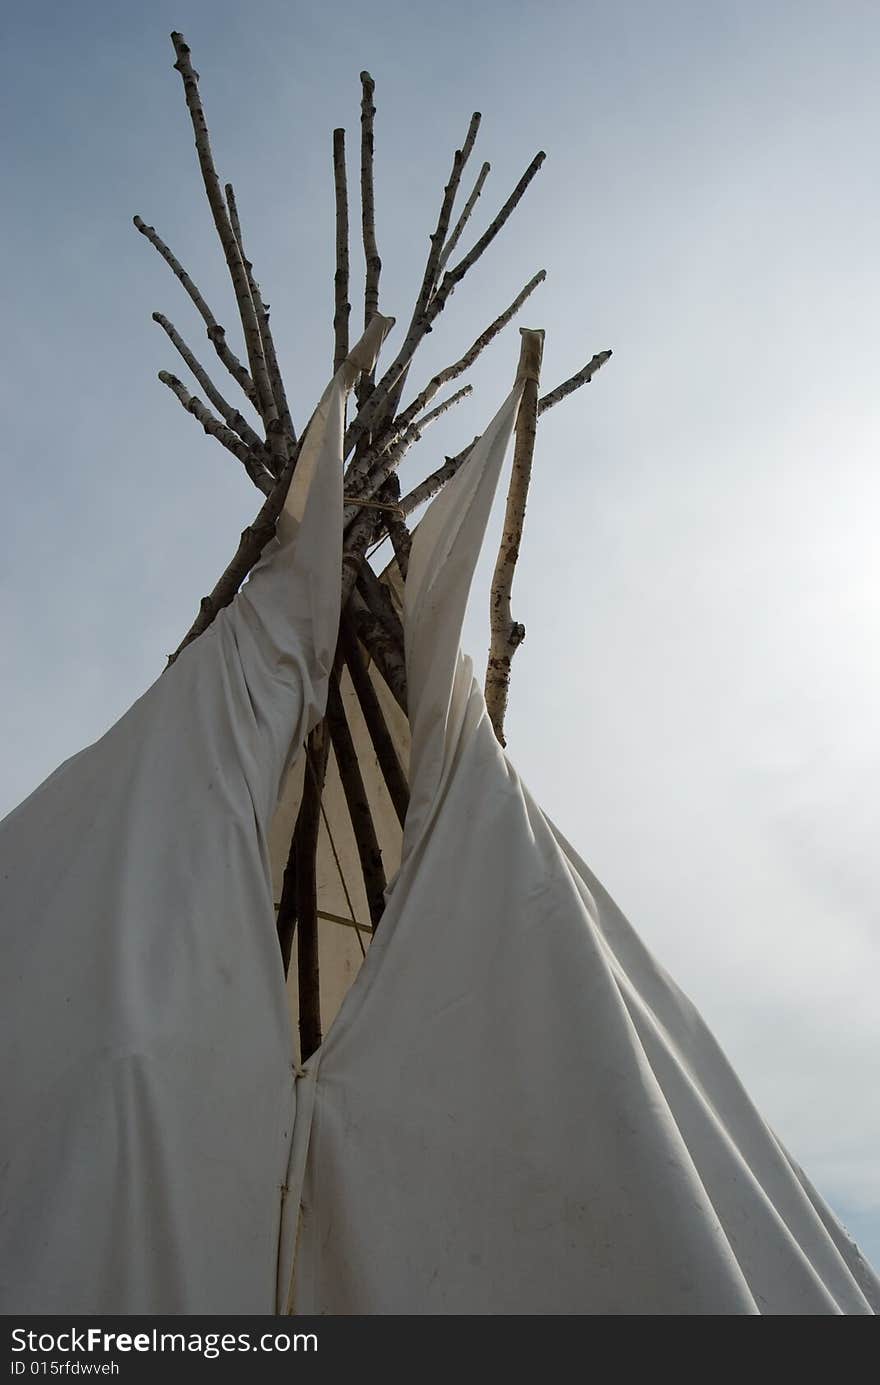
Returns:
(359, 811)
(305, 846)
(387, 461)
(234, 418)
(506, 633)
(340, 280)
(282, 434)
(285, 921)
(423, 321)
(392, 770)
(223, 224)
(401, 538)
(368, 206)
(452, 372)
(253, 463)
(216, 333)
(428, 488)
(455, 235)
(379, 439)
(386, 649)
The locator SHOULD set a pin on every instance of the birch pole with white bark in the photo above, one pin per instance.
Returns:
(458, 229)
(342, 307)
(253, 463)
(283, 424)
(508, 634)
(234, 258)
(372, 259)
(423, 321)
(216, 333)
(433, 484)
(234, 418)
(392, 435)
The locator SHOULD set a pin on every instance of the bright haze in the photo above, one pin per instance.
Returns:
(696, 700)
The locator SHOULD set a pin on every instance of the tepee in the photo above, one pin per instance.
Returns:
(514, 1109)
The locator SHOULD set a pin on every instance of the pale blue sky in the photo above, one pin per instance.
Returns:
(695, 703)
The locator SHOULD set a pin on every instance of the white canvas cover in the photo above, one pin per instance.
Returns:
(516, 1110)
(145, 1046)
